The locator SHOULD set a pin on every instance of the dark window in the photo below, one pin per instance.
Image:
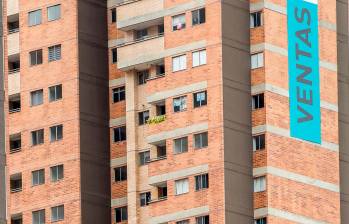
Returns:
(144, 158)
(56, 133)
(121, 214)
(203, 220)
(54, 53)
(255, 19)
(34, 17)
(114, 55)
(15, 143)
(162, 191)
(201, 140)
(113, 15)
(57, 173)
(120, 173)
(35, 57)
(161, 29)
(14, 103)
(258, 142)
(258, 101)
(260, 221)
(145, 198)
(160, 69)
(120, 134)
(198, 16)
(37, 137)
(201, 182)
(181, 145)
(200, 99)
(57, 213)
(142, 77)
(161, 151)
(160, 109)
(143, 117)
(16, 182)
(55, 93)
(38, 177)
(17, 219)
(141, 34)
(118, 94)
(38, 217)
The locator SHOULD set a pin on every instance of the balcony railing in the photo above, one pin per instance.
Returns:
(15, 190)
(157, 159)
(155, 76)
(16, 110)
(158, 199)
(15, 30)
(15, 150)
(12, 71)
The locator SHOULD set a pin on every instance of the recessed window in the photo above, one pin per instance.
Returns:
(141, 34)
(179, 63)
(199, 58)
(17, 219)
(55, 93)
(180, 104)
(15, 143)
(200, 99)
(36, 97)
(35, 57)
(203, 220)
(201, 140)
(120, 173)
(57, 213)
(143, 76)
(162, 191)
(143, 117)
(183, 222)
(121, 214)
(54, 12)
(38, 177)
(54, 53)
(14, 103)
(161, 29)
(114, 55)
(181, 145)
(118, 94)
(257, 60)
(257, 101)
(56, 133)
(16, 182)
(144, 157)
(259, 184)
(178, 22)
(182, 186)
(113, 15)
(145, 198)
(38, 217)
(198, 16)
(37, 137)
(34, 17)
(260, 221)
(201, 182)
(256, 19)
(57, 173)
(120, 134)
(258, 142)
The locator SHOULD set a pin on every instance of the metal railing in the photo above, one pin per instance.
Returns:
(15, 150)
(15, 110)
(15, 30)
(140, 40)
(15, 190)
(12, 71)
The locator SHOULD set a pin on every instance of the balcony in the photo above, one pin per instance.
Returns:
(13, 43)
(12, 7)
(138, 53)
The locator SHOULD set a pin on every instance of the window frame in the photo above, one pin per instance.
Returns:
(37, 20)
(143, 76)
(40, 100)
(205, 219)
(120, 173)
(260, 139)
(259, 184)
(41, 216)
(182, 63)
(185, 189)
(145, 198)
(122, 135)
(257, 57)
(202, 142)
(183, 143)
(119, 94)
(56, 209)
(175, 24)
(199, 56)
(201, 103)
(122, 211)
(199, 11)
(58, 135)
(114, 55)
(144, 157)
(57, 14)
(55, 53)
(254, 19)
(56, 95)
(38, 57)
(113, 15)
(258, 101)
(57, 173)
(38, 134)
(143, 117)
(182, 104)
(39, 179)
(261, 220)
(202, 182)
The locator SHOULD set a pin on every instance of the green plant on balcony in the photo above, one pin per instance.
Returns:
(156, 119)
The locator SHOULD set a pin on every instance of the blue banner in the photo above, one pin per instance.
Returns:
(303, 68)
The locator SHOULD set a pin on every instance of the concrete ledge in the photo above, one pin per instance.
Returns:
(118, 202)
(117, 82)
(184, 214)
(117, 122)
(118, 161)
(115, 42)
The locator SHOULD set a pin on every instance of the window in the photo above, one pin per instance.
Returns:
(142, 77)
(121, 214)
(260, 221)
(38, 217)
(37, 137)
(54, 12)
(54, 53)
(178, 22)
(16, 182)
(56, 133)
(182, 186)
(200, 99)
(183, 222)
(199, 58)
(198, 16)
(57, 173)
(201, 140)
(17, 219)
(143, 117)
(144, 158)
(179, 63)
(259, 184)
(118, 94)
(55, 93)
(14, 103)
(57, 213)
(114, 55)
(257, 60)
(35, 57)
(162, 191)
(141, 34)
(161, 151)
(38, 177)
(257, 101)
(161, 29)
(36, 97)
(201, 182)
(180, 104)
(34, 17)
(256, 19)
(15, 142)
(113, 15)
(160, 109)
(145, 198)
(120, 173)
(203, 220)
(258, 142)
(120, 134)
(181, 145)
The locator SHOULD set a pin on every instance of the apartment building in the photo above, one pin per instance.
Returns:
(174, 111)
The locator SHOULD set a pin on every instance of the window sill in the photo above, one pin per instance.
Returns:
(179, 153)
(179, 70)
(200, 148)
(54, 141)
(198, 107)
(37, 145)
(57, 100)
(199, 65)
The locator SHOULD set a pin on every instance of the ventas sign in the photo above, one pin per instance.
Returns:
(303, 60)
